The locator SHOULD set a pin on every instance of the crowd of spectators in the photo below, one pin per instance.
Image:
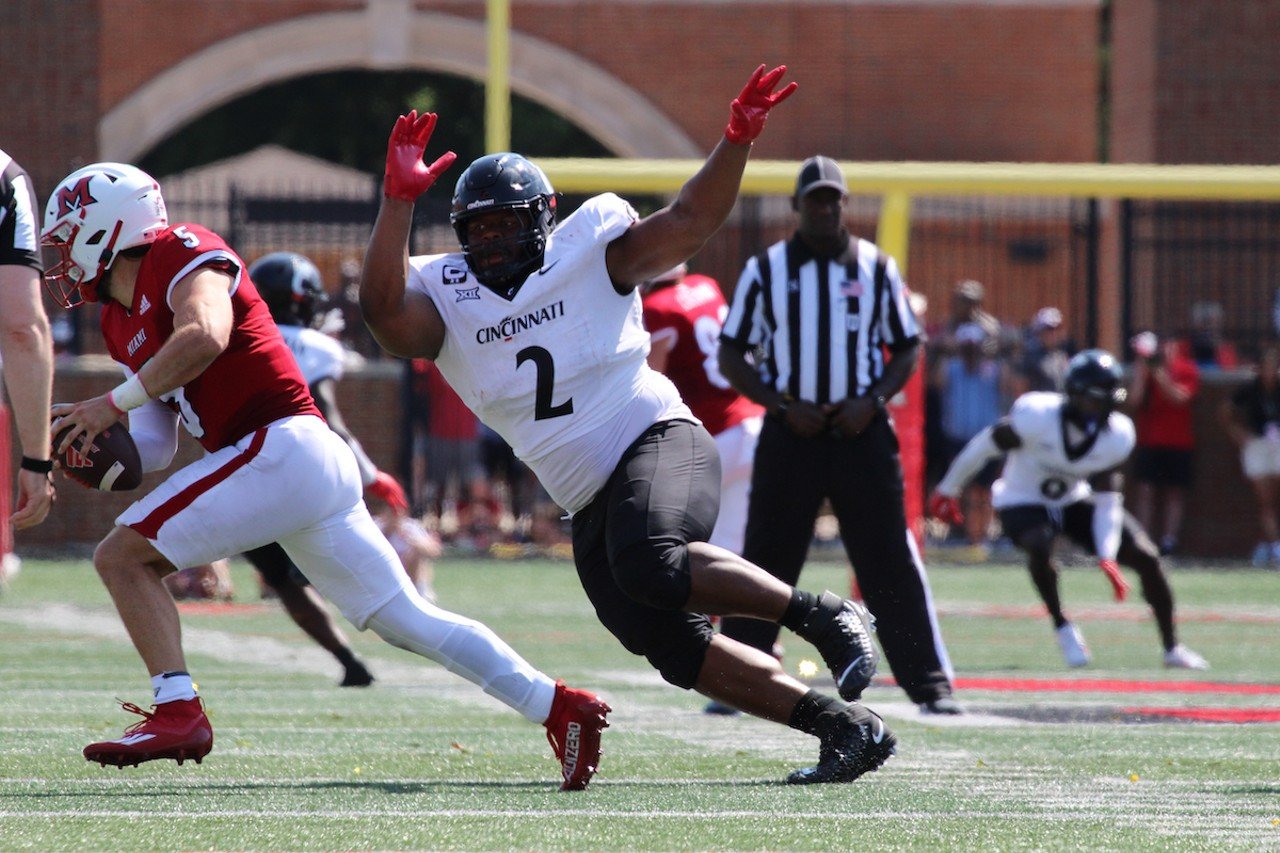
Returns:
(978, 364)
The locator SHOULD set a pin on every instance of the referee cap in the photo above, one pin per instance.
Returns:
(817, 172)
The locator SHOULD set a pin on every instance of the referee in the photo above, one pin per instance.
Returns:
(821, 335)
(26, 345)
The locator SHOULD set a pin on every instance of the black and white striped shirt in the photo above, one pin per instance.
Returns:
(19, 230)
(821, 324)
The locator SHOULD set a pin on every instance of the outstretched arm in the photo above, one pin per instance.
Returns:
(404, 323)
(673, 234)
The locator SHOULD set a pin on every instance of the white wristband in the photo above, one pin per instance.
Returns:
(129, 394)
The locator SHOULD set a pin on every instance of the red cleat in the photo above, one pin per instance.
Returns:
(177, 730)
(573, 729)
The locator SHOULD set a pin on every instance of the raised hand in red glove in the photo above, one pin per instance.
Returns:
(1118, 584)
(407, 177)
(387, 488)
(749, 110)
(945, 508)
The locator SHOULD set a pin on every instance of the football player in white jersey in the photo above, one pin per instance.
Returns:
(538, 328)
(1061, 475)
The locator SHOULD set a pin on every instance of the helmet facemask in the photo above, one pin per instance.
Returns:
(526, 247)
(1094, 387)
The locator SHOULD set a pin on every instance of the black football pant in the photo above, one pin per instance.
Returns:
(862, 477)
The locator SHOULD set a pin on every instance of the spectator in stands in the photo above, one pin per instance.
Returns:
(1252, 419)
(1205, 344)
(1046, 352)
(456, 491)
(1162, 389)
(972, 386)
(966, 308)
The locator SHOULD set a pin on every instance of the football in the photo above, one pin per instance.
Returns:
(111, 464)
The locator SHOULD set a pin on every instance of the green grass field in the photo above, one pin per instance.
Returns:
(424, 760)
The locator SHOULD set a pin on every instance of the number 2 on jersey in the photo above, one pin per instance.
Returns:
(546, 366)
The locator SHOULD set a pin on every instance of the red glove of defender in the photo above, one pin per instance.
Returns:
(1118, 584)
(749, 110)
(945, 508)
(387, 488)
(407, 177)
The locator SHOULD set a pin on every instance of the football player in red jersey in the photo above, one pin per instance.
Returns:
(198, 344)
(683, 314)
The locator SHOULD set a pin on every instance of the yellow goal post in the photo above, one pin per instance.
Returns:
(898, 184)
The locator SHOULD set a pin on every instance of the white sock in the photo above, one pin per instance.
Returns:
(468, 648)
(172, 687)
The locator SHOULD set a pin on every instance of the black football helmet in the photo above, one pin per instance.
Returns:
(1094, 385)
(506, 181)
(290, 285)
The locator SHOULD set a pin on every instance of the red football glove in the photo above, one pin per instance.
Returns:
(407, 177)
(945, 508)
(1118, 584)
(749, 110)
(387, 488)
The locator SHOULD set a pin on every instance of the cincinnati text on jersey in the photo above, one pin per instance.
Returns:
(509, 327)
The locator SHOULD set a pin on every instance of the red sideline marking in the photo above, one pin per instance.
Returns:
(1211, 715)
(1114, 685)
(1105, 685)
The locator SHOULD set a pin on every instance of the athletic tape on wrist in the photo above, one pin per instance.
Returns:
(129, 394)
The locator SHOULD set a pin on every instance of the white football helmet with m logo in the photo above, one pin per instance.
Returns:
(96, 212)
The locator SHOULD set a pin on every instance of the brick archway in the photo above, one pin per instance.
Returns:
(389, 35)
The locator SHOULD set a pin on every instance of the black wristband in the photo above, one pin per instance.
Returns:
(40, 466)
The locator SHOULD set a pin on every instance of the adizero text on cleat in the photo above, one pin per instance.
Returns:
(573, 729)
(841, 631)
(175, 730)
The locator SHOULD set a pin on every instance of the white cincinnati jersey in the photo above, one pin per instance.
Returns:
(1043, 470)
(558, 371)
(318, 355)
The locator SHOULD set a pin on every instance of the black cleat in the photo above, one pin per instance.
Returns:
(841, 631)
(357, 675)
(857, 742)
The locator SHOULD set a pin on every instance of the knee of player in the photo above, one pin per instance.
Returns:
(112, 554)
(654, 572)
(679, 662)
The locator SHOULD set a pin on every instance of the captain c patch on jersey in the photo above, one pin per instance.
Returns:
(453, 275)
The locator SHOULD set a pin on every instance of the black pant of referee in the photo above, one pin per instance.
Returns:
(862, 477)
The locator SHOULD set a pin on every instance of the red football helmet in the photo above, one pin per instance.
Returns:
(96, 212)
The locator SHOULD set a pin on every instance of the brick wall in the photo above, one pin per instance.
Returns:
(979, 81)
(1197, 81)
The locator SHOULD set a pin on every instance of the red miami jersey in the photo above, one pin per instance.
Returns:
(252, 383)
(691, 313)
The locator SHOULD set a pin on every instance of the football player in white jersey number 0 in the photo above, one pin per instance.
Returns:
(1062, 476)
(538, 328)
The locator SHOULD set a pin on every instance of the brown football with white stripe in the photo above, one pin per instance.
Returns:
(111, 464)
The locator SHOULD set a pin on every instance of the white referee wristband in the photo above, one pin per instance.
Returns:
(129, 394)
